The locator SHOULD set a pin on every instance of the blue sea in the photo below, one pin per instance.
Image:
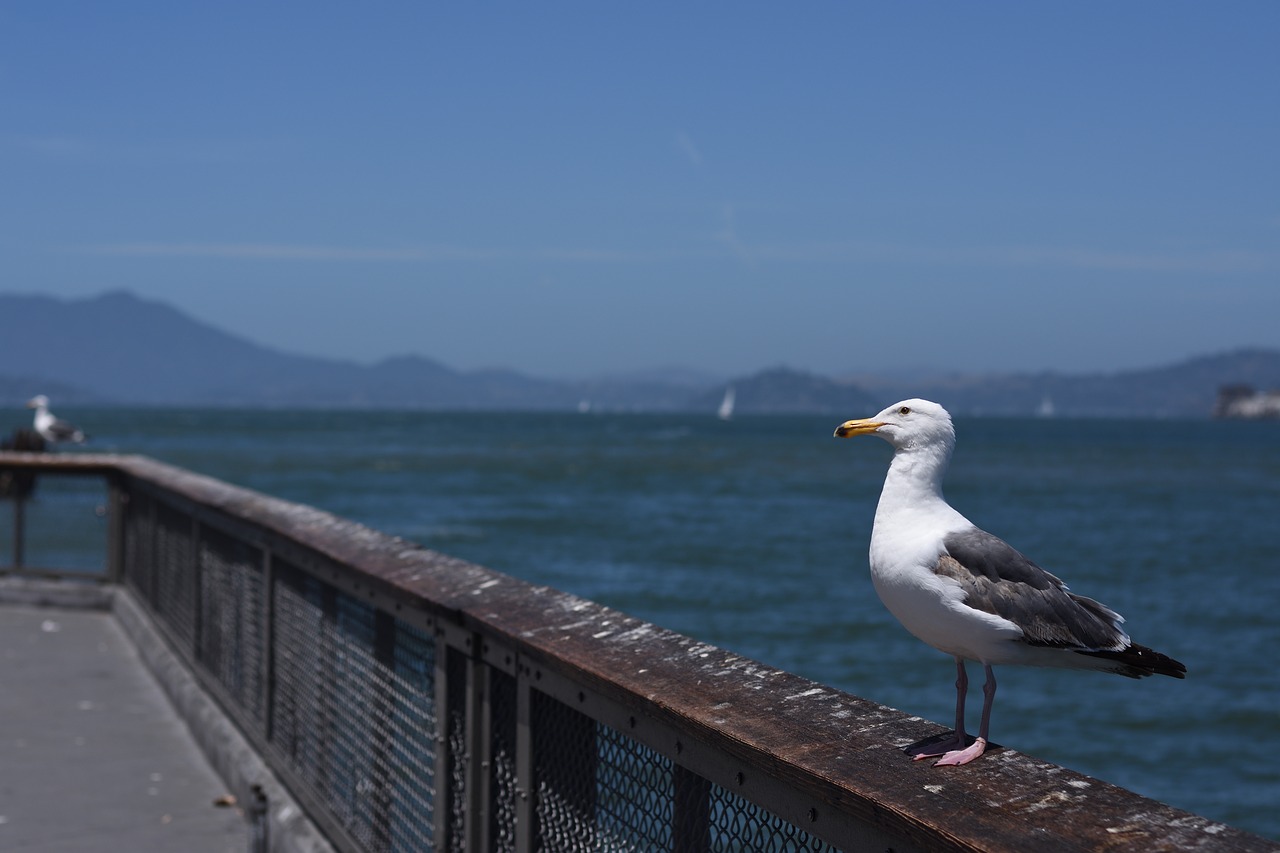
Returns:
(752, 535)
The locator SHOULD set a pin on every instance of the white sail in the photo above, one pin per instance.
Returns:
(726, 405)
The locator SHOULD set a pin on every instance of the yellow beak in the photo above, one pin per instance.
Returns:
(860, 426)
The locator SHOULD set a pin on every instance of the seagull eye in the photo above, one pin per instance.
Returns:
(905, 410)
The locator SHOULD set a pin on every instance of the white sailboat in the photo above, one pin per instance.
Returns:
(726, 405)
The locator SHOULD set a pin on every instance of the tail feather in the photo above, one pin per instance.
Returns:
(1139, 662)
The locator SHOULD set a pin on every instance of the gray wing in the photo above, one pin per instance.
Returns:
(62, 430)
(999, 579)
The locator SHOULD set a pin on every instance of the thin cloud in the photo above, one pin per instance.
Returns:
(423, 254)
(605, 256)
(1225, 262)
(726, 242)
(286, 252)
(686, 144)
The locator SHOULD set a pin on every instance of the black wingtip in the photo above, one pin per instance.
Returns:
(1139, 662)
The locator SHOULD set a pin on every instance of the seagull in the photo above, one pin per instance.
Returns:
(970, 594)
(51, 428)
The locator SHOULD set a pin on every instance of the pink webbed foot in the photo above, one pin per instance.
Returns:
(937, 746)
(962, 756)
(933, 750)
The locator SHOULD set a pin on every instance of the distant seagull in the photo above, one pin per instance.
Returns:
(51, 428)
(970, 594)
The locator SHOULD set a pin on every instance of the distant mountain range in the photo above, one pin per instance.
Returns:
(119, 349)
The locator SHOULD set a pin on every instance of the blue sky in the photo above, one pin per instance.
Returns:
(582, 188)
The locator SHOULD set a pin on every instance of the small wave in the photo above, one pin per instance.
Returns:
(671, 433)
(453, 533)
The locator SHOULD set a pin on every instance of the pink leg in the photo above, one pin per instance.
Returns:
(964, 756)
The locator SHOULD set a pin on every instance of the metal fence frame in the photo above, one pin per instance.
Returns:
(412, 701)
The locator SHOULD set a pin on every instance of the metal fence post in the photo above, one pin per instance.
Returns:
(197, 594)
(259, 823)
(691, 818)
(383, 741)
(117, 501)
(443, 814)
(524, 762)
(19, 530)
(268, 686)
(481, 795)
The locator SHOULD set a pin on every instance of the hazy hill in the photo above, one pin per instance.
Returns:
(782, 389)
(117, 348)
(122, 348)
(1186, 389)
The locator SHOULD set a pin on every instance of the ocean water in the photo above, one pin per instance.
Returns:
(752, 535)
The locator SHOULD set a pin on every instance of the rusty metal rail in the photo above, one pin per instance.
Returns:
(412, 701)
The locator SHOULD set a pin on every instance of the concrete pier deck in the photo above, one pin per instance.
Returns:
(92, 755)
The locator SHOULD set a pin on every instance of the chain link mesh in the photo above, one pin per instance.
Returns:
(411, 757)
(740, 826)
(600, 790)
(175, 578)
(139, 556)
(353, 713)
(356, 724)
(232, 638)
(597, 789)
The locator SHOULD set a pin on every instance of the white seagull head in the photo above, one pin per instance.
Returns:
(907, 425)
(40, 401)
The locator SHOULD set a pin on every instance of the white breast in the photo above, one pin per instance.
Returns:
(904, 552)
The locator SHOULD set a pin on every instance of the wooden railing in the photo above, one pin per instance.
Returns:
(412, 701)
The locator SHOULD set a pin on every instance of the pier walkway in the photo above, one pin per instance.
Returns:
(93, 756)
